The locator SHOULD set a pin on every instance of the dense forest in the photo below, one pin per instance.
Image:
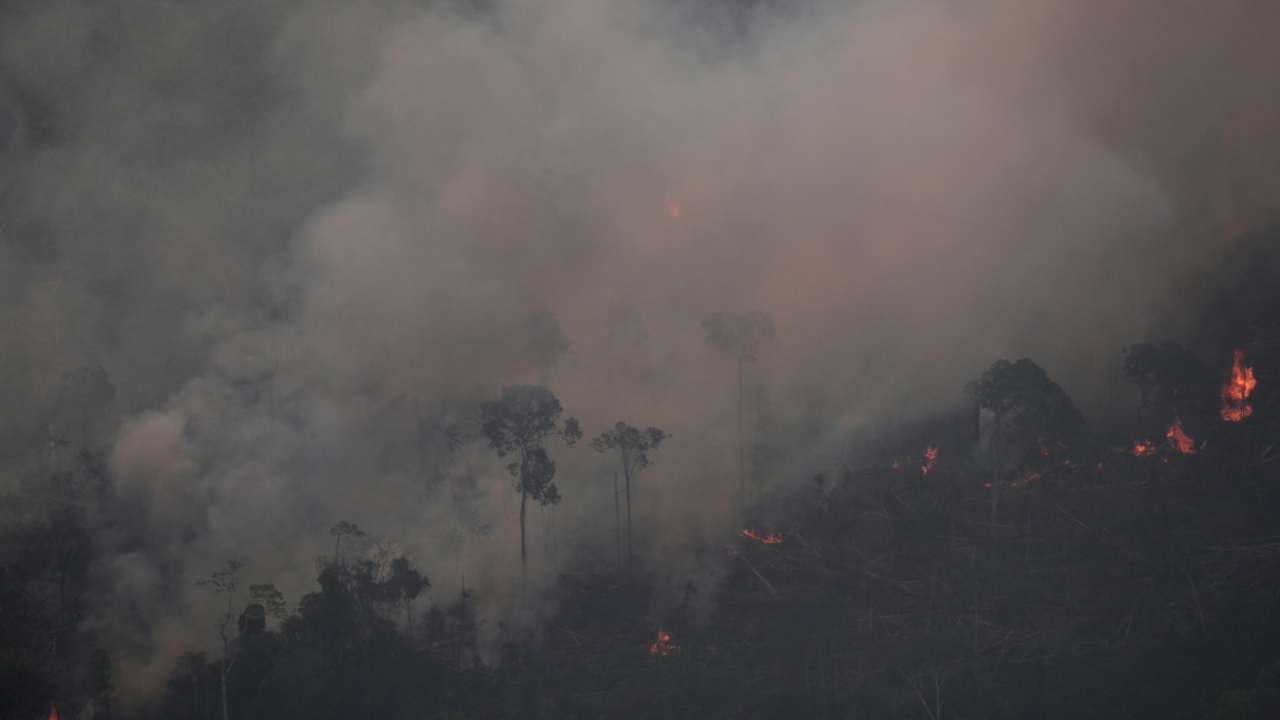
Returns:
(1008, 559)
(435, 359)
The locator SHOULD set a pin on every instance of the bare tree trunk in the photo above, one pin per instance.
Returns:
(524, 553)
(617, 522)
(995, 473)
(225, 669)
(627, 475)
(995, 500)
(227, 662)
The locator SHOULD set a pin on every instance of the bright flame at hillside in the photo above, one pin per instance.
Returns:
(1143, 448)
(1182, 442)
(767, 539)
(663, 645)
(1235, 393)
(930, 457)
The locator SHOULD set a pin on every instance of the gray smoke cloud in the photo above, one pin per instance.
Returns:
(296, 235)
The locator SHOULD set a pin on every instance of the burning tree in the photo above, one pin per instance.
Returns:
(1181, 442)
(1236, 391)
(739, 336)
(633, 446)
(765, 539)
(519, 423)
(663, 645)
(1143, 448)
(930, 459)
(1026, 407)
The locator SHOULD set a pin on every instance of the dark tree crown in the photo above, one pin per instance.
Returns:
(633, 443)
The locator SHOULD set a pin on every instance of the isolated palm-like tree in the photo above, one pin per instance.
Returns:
(632, 446)
(519, 423)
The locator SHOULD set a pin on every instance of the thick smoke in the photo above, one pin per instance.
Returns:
(298, 236)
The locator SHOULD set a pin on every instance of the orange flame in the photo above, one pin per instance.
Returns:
(767, 539)
(1182, 442)
(1235, 393)
(1143, 448)
(930, 457)
(663, 645)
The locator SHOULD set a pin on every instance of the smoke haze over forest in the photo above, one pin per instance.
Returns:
(302, 236)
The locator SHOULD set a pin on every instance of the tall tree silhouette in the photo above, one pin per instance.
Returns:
(519, 423)
(632, 445)
(226, 583)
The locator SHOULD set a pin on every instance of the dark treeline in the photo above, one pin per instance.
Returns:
(1010, 559)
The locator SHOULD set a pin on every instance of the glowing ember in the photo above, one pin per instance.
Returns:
(1235, 393)
(930, 457)
(1181, 441)
(1143, 448)
(663, 645)
(766, 539)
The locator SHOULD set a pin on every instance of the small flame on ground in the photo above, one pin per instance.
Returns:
(1235, 393)
(663, 645)
(767, 539)
(930, 457)
(1182, 442)
(1028, 476)
(53, 711)
(674, 209)
(1044, 449)
(1143, 448)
